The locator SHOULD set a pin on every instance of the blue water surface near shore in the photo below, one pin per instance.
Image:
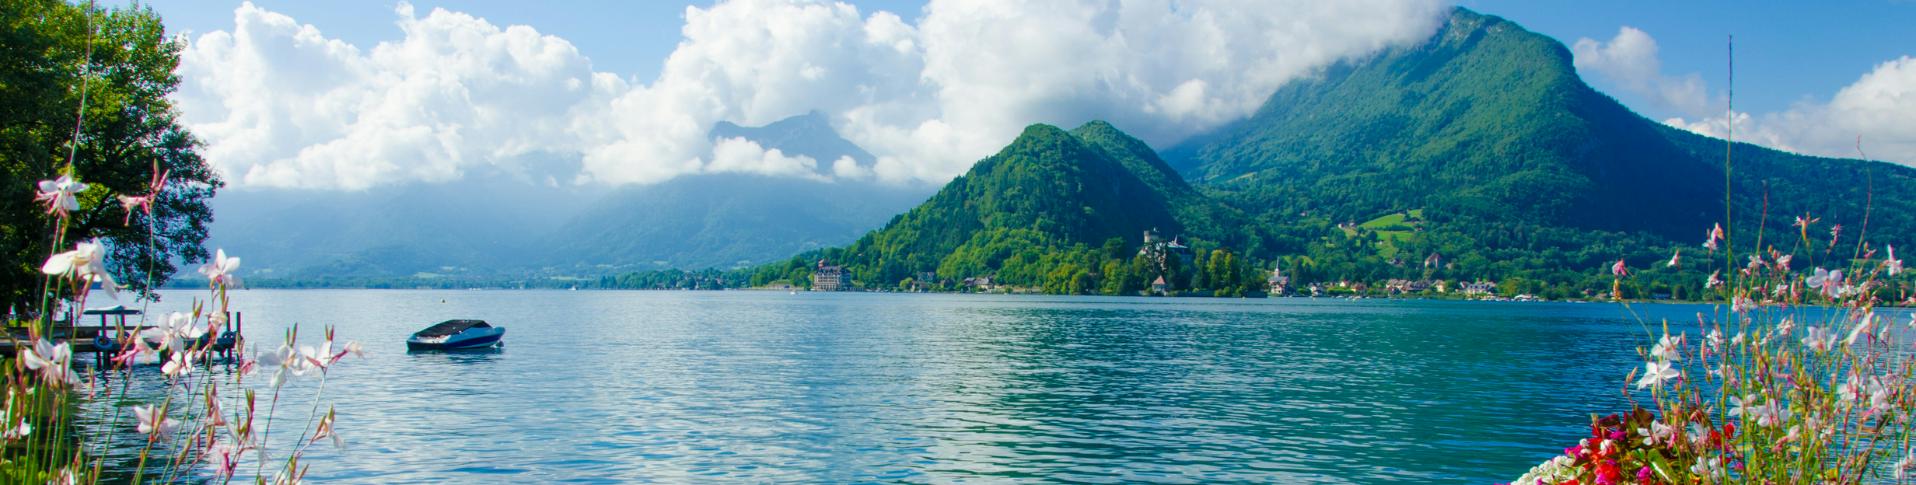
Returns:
(619, 386)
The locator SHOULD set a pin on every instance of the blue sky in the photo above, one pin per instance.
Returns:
(279, 107)
(1788, 51)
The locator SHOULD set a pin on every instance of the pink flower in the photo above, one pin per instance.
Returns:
(1715, 234)
(136, 352)
(1804, 221)
(128, 202)
(1619, 269)
(1675, 259)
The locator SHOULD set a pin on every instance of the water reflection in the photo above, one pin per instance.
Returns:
(458, 356)
(747, 386)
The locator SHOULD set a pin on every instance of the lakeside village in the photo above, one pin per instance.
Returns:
(828, 277)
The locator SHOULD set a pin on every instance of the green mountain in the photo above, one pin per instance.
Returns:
(1477, 154)
(1048, 211)
(1516, 164)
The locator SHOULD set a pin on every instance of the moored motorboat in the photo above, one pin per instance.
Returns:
(456, 335)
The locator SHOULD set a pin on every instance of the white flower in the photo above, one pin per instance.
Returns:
(1788, 325)
(1863, 328)
(1654, 373)
(1882, 391)
(1656, 433)
(59, 194)
(163, 337)
(1714, 340)
(182, 325)
(1668, 349)
(1554, 470)
(1744, 406)
(1829, 282)
(1716, 279)
(1768, 414)
(220, 270)
(1707, 467)
(1697, 434)
(318, 358)
(1849, 391)
(17, 432)
(1783, 262)
(53, 362)
(181, 364)
(153, 421)
(289, 361)
(1819, 339)
(86, 262)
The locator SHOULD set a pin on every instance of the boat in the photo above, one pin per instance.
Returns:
(456, 335)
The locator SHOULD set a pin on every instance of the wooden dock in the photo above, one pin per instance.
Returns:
(84, 338)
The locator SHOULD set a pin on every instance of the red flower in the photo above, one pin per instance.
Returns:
(1608, 472)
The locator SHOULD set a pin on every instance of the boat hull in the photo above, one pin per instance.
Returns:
(476, 338)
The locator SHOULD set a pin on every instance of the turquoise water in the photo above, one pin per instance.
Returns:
(602, 386)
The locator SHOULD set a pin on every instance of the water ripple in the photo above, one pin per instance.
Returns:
(604, 387)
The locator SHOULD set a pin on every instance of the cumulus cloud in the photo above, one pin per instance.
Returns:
(1630, 59)
(745, 156)
(281, 104)
(1879, 109)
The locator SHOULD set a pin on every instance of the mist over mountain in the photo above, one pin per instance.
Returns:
(492, 226)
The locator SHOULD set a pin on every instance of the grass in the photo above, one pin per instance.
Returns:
(1391, 229)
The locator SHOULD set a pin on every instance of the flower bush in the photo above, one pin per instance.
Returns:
(203, 420)
(1803, 378)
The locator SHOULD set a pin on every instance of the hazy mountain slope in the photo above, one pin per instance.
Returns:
(499, 225)
(723, 221)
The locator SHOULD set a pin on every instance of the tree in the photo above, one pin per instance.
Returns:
(54, 55)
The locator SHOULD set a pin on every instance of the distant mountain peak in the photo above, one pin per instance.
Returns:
(1490, 123)
(809, 134)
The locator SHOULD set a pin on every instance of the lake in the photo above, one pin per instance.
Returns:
(619, 386)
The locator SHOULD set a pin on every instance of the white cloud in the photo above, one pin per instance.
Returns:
(280, 104)
(1630, 59)
(745, 156)
(846, 168)
(1879, 108)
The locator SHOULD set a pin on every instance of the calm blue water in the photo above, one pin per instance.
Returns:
(761, 386)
